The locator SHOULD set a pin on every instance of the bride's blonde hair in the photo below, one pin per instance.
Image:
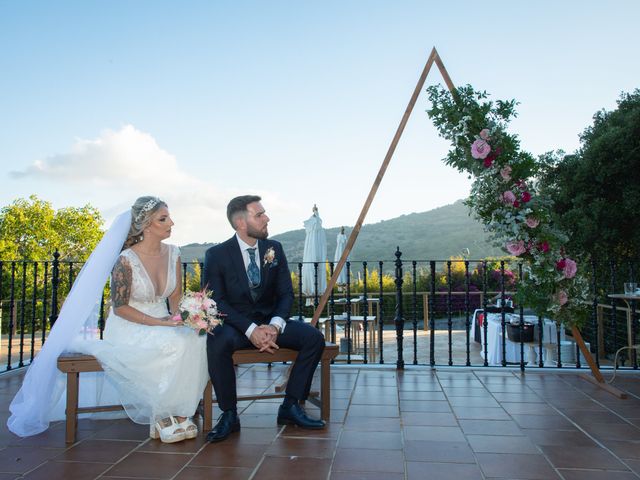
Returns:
(141, 212)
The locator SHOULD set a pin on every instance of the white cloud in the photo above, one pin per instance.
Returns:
(111, 171)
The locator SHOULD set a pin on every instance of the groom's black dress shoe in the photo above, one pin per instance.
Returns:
(227, 424)
(295, 415)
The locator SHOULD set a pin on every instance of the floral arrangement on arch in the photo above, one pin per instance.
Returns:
(505, 198)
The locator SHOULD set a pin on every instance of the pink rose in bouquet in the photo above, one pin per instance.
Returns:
(199, 312)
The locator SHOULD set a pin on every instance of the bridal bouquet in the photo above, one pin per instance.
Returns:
(199, 312)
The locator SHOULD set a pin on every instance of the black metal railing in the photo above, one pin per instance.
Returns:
(425, 312)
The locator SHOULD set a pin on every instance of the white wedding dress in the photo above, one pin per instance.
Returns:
(157, 371)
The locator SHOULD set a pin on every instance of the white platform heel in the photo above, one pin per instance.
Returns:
(190, 428)
(168, 430)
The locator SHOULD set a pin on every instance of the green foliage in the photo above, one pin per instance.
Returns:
(597, 190)
(193, 277)
(32, 230)
(505, 198)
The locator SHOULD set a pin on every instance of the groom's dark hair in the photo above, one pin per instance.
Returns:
(238, 206)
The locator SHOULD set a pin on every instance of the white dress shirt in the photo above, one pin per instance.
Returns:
(278, 322)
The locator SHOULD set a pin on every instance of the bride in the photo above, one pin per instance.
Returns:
(157, 366)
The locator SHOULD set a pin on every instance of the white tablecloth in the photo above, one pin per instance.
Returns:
(512, 349)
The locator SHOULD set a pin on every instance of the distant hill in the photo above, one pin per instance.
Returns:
(434, 235)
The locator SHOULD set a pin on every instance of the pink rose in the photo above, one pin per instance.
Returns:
(516, 248)
(508, 197)
(207, 303)
(562, 297)
(202, 324)
(570, 268)
(505, 173)
(484, 134)
(525, 197)
(532, 222)
(177, 317)
(567, 266)
(480, 149)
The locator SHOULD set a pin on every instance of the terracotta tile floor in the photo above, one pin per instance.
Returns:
(386, 424)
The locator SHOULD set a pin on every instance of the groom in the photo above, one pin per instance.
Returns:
(251, 284)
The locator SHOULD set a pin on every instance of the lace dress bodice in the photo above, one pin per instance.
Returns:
(143, 294)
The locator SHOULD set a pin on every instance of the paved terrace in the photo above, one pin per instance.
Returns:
(386, 424)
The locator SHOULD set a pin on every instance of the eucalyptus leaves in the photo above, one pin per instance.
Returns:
(505, 198)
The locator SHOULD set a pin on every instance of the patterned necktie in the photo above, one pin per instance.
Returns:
(253, 272)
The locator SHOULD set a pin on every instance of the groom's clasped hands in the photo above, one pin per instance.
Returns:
(264, 338)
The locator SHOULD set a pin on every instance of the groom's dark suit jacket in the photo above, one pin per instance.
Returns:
(226, 275)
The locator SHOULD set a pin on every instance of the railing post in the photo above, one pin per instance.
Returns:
(449, 314)
(485, 328)
(55, 280)
(332, 311)
(44, 301)
(467, 322)
(432, 316)
(381, 312)
(12, 307)
(503, 344)
(300, 301)
(347, 325)
(34, 305)
(399, 320)
(315, 286)
(415, 311)
(365, 311)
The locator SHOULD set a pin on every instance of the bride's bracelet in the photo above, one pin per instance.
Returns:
(144, 317)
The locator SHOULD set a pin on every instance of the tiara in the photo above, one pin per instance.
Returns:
(147, 207)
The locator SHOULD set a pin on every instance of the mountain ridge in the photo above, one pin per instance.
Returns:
(436, 234)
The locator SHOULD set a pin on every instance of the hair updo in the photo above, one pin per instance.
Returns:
(141, 212)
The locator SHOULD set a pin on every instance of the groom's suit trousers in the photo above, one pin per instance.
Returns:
(304, 338)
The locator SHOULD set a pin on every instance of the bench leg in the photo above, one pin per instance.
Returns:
(325, 390)
(207, 405)
(71, 412)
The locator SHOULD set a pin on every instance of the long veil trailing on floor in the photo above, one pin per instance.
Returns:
(43, 384)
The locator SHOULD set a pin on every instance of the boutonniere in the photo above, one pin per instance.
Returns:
(269, 256)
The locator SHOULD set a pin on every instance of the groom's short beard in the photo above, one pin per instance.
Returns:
(257, 234)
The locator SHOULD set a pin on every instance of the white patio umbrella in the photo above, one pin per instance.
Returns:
(315, 250)
(341, 242)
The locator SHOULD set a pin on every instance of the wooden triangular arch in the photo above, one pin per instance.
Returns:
(433, 58)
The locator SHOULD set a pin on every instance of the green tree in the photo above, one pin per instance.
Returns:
(32, 230)
(596, 191)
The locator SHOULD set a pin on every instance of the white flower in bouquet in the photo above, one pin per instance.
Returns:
(199, 312)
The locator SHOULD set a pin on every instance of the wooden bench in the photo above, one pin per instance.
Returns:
(251, 355)
(73, 364)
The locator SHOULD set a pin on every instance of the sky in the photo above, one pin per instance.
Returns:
(199, 101)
